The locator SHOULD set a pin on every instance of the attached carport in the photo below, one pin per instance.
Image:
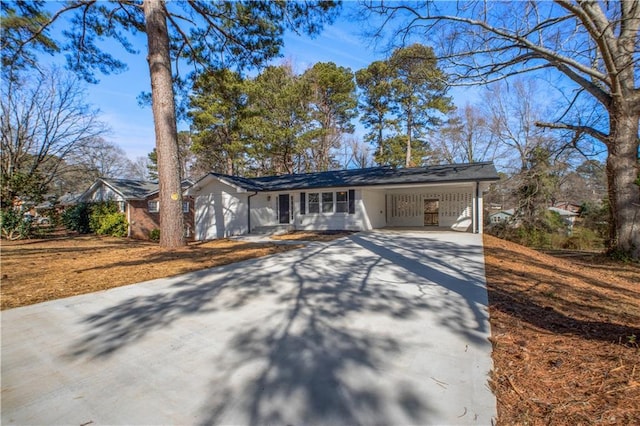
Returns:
(453, 206)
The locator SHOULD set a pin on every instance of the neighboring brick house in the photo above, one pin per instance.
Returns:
(138, 200)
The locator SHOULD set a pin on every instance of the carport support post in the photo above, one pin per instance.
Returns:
(476, 216)
(249, 212)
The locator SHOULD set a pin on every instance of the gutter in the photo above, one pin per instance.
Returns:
(249, 211)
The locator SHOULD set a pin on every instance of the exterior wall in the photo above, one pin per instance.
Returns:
(220, 211)
(142, 222)
(102, 193)
(264, 212)
(356, 221)
(455, 211)
(264, 209)
(373, 205)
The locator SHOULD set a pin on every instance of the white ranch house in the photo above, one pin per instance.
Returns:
(443, 197)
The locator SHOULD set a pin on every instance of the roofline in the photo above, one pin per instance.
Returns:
(114, 189)
(219, 178)
(405, 184)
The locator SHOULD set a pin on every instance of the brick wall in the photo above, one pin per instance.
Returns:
(142, 222)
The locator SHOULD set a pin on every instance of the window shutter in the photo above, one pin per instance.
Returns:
(352, 201)
(303, 202)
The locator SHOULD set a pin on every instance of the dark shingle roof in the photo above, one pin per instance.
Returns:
(374, 176)
(132, 189)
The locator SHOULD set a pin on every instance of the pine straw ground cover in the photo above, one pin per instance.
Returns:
(35, 271)
(564, 331)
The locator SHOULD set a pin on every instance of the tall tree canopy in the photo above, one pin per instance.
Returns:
(593, 44)
(205, 34)
(218, 107)
(331, 107)
(276, 120)
(402, 98)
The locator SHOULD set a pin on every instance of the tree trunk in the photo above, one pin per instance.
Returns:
(164, 118)
(622, 175)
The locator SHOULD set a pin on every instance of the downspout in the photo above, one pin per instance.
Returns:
(249, 211)
(477, 202)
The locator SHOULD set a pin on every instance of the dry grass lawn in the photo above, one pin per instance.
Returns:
(565, 330)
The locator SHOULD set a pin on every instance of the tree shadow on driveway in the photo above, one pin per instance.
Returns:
(335, 333)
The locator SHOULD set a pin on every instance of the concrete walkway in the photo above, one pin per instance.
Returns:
(378, 328)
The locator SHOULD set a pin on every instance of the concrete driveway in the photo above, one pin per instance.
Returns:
(379, 328)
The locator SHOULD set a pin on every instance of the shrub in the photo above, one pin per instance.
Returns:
(112, 224)
(76, 218)
(14, 225)
(101, 218)
(583, 239)
(99, 213)
(154, 235)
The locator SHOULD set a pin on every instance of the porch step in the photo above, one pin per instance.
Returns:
(272, 230)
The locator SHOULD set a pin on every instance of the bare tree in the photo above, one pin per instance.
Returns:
(593, 45)
(44, 122)
(513, 110)
(466, 138)
(139, 169)
(102, 158)
(357, 153)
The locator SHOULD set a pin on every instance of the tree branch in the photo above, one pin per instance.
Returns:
(602, 137)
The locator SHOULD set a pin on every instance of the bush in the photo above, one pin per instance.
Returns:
(112, 224)
(76, 218)
(14, 225)
(99, 213)
(100, 218)
(584, 239)
(154, 235)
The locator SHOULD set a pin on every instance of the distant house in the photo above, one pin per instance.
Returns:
(445, 197)
(138, 200)
(508, 216)
(568, 217)
(503, 216)
(571, 207)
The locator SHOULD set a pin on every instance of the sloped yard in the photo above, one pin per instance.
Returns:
(565, 335)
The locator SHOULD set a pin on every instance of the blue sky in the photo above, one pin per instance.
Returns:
(132, 125)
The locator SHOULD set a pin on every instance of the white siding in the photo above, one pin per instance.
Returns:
(220, 211)
(102, 193)
(264, 212)
(263, 209)
(373, 205)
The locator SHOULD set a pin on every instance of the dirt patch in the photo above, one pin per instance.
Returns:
(565, 333)
(35, 271)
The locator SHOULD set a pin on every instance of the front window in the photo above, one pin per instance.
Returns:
(185, 207)
(314, 202)
(327, 202)
(153, 206)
